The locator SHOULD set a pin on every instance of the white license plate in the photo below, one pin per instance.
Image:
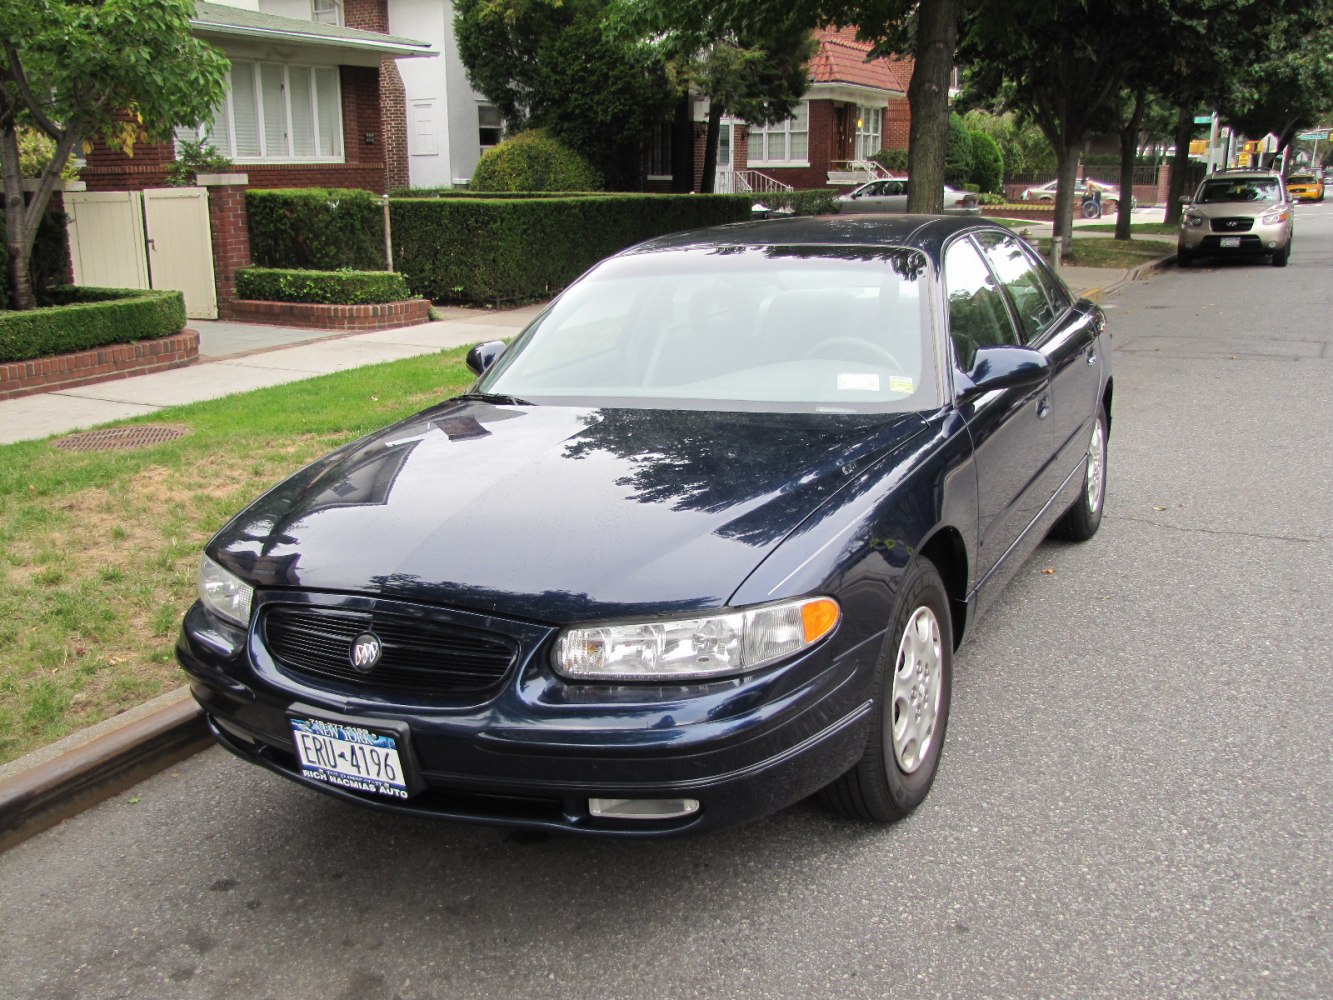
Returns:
(350, 757)
(1230, 241)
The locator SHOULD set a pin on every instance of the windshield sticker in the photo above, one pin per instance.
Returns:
(900, 383)
(858, 382)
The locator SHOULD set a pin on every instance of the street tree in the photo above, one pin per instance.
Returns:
(553, 65)
(122, 71)
(749, 59)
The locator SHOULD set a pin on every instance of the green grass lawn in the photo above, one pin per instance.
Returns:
(1099, 251)
(1141, 228)
(98, 550)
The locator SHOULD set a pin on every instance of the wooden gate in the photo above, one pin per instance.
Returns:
(158, 238)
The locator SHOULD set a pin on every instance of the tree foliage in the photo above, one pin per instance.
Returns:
(124, 71)
(553, 65)
(987, 163)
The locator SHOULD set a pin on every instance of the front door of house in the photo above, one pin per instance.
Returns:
(725, 161)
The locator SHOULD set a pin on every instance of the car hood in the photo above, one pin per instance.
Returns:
(555, 513)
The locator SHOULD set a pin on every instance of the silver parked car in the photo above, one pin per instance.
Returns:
(890, 195)
(1237, 213)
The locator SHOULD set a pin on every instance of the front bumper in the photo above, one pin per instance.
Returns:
(1259, 239)
(534, 753)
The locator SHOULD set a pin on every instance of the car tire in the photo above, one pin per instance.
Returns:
(1184, 258)
(912, 691)
(1280, 257)
(1081, 521)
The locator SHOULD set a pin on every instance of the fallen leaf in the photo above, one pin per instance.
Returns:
(134, 800)
(1049, 571)
(1159, 508)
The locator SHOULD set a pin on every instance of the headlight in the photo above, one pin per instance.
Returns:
(224, 594)
(1191, 221)
(698, 648)
(1273, 218)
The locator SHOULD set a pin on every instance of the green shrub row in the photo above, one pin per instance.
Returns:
(320, 229)
(347, 288)
(820, 201)
(83, 318)
(483, 249)
(462, 192)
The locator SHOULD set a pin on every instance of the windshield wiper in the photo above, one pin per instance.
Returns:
(498, 399)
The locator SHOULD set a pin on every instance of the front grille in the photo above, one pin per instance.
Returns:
(420, 657)
(1240, 225)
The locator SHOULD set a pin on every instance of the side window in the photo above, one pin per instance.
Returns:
(1021, 280)
(977, 315)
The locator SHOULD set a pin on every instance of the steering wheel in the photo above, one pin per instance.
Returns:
(875, 350)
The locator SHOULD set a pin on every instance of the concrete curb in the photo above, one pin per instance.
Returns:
(1142, 271)
(57, 782)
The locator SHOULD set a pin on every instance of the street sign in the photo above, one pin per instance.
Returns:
(1203, 119)
(1319, 133)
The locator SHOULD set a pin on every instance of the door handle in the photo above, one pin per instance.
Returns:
(1043, 408)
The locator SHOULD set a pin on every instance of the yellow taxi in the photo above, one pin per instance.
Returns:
(1305, 187)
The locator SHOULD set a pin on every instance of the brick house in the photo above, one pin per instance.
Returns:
(852, 110)
(314, 98)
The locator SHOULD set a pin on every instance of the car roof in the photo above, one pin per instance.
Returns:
(923, 232)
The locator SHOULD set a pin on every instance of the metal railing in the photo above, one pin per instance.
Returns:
(747, 181)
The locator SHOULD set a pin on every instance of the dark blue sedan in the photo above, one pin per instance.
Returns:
(700, 543)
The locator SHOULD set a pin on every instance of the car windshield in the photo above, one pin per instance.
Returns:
(1244, 189)
(801, 328)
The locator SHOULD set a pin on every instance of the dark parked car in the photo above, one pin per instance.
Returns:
(699, 544)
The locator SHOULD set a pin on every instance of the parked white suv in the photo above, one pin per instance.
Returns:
(1237, 213)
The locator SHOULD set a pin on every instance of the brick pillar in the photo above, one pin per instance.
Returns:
(230, 225)
(393, 125)
(897, 124)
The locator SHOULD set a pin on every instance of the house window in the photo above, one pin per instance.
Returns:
(278, 111)
(490, 126)
(659, 151)
(869, 132)
(785, 143)
(327, 11)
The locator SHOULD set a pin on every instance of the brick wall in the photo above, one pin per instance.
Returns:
(320, 316)
(897, 123)
(368, 15)
(230, 225)
(101, 364)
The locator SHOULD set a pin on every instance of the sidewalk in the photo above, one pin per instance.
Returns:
(238, 357)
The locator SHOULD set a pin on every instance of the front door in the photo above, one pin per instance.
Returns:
(723, 183)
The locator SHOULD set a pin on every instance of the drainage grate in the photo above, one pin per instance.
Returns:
(122, 438)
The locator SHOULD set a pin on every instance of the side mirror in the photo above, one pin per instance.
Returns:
(484, 355)
(1185, 199)
(1003, 368)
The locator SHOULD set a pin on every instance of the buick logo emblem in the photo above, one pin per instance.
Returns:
(366, 652)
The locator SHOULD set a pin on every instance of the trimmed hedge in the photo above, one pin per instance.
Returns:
(487, 249)
(339, 288)
(819, 201)
(460, 192)
(320, 229)
(533, 161)
(85, 317)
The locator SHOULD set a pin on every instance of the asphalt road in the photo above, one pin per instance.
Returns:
(1136, 797)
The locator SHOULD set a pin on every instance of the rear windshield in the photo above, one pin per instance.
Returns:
(1240, 189)
(1301, 179)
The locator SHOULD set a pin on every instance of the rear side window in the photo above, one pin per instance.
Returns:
(977, 314)
(1023, 280)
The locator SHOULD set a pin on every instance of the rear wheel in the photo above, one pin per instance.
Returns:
(1081, 521)
(913, 682)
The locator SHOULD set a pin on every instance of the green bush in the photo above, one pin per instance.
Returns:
(348, 288)
(84, 318)
(316, 228)
(958, 156)
(892, 160)
(488, 249)
(533, 161)
(987, 162)
(820, 201)
(992, 199)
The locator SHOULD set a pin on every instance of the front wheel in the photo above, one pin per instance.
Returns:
(1081, 521)
(1184, 258)
(1280, 257)
(913, 684)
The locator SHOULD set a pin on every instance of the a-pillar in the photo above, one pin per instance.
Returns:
(230, 225)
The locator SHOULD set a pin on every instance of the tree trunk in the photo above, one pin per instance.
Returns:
(1066, 158)
(1179, 163)
(928, 96)
(19, 264)
(1129, 147)
(710, 147)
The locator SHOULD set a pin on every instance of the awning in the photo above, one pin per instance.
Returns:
(218, 23)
